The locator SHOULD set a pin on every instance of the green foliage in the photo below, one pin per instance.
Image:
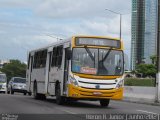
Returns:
(146, 69)
(14, 69)
(139, 82)
(154, 59)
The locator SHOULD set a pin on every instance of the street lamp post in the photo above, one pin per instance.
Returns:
(157, 99)
(120, 26)
(120, 23)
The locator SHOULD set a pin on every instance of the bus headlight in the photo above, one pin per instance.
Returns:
(4, 86)
(73, 81)
(120, 84)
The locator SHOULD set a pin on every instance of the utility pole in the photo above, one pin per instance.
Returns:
(157, 99)
(120, 26)
(120, 21)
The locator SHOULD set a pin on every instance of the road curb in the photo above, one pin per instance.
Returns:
(140, 101)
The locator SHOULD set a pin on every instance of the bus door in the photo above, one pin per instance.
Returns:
(49, 82)
(29, 74)
(48, 69)
(66, 69)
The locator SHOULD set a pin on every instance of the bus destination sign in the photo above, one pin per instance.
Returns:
(98, 42)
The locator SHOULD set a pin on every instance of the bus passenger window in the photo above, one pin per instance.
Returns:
(40, 59)
(54, 57)
(57, 56)
(29, 57)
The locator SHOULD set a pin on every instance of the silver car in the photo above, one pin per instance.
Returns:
(17, 84)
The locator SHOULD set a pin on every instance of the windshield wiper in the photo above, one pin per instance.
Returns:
(90, 54)
(107, 54)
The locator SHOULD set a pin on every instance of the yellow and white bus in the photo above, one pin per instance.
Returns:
(82, 67)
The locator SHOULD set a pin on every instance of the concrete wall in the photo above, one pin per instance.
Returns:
(140, 94)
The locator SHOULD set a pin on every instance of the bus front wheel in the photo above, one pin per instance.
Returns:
(29, 93)
(104, 102)
(59, 98)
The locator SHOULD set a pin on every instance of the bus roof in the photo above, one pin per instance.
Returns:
(68, 40)
(50, 45)
(92, 36)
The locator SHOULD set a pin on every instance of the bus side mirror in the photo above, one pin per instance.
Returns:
(68, 54)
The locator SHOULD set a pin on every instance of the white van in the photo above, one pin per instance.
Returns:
(3, 83)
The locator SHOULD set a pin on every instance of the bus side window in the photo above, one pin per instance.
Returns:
(43, 58)
(35, 60)
(29, 57)
(54, 57)
(59, 56)
(40, 59)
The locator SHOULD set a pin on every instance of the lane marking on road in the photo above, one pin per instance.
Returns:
(66, 111)
(147, 112)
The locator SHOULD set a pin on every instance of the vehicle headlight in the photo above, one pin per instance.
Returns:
(24, 86)
(4, 86)
(15, 85)
(120, 84)
(73, 81)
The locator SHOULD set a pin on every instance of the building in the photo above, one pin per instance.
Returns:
(126, 61)
(144, 29)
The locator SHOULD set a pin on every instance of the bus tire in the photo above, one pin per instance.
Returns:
(29, 93)
(42, 96)
(35, 94)
(8, 92)
(104, 102)
(59, 98)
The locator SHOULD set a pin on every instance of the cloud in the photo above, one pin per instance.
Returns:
(25, 25)
(18, 3)
(80, 8)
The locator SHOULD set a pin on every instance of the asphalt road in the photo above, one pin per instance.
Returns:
(20, 104)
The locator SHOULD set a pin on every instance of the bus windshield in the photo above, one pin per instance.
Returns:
(97, 61)
(2, 78)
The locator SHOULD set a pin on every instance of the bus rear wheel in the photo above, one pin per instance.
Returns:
(104, 102)
(59, 98)
(8, 92)
(35, 94)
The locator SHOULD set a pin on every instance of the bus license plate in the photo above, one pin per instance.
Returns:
(97, 93)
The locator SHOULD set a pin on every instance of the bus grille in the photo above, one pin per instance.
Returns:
(97, 86)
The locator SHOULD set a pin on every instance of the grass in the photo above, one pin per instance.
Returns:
(139, 82)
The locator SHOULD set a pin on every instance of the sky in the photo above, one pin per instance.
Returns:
(30, 24)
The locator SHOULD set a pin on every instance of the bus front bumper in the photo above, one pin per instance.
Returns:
(3, 90)
(84, 93)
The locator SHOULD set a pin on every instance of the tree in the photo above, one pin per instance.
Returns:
(146, 69)
(154, 59)
(14, 69)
